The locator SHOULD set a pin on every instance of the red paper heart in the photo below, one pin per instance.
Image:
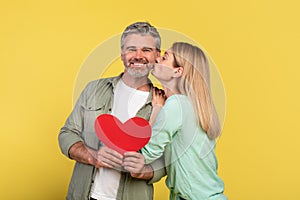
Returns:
(129, 136)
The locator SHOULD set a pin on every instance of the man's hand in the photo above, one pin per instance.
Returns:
(134, 162)
(106, 157)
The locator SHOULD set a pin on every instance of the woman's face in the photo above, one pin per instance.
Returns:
(164, 70)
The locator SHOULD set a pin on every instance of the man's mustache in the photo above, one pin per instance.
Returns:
(141, 61)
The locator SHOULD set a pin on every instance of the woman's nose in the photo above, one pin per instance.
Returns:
(158, 60)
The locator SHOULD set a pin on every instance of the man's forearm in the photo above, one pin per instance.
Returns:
(82, 154)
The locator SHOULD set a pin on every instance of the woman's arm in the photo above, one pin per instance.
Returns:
(166, 126)
(134, 162)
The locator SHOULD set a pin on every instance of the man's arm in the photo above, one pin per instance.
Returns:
(69, 137)
(72, 144)
(82, 154)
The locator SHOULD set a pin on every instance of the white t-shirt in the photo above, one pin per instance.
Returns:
(127, 101)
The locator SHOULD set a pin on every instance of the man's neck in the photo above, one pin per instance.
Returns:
(139, 83)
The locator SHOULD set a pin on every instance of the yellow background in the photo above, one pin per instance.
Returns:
(255, 45)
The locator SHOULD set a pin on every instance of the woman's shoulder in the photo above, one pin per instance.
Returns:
(177, 98)
(177, 101)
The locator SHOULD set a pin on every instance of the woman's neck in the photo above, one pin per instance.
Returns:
(170, 87)
(170, 91)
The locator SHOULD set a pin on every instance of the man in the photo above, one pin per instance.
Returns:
(96, 174)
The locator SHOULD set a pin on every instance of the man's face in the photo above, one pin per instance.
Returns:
(138, 54)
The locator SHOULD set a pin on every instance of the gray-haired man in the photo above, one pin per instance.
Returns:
(96, 174)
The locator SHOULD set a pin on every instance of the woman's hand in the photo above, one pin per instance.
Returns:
(158, 97)
(158, 101)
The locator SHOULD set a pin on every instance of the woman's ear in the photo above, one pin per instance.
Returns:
(178, 71)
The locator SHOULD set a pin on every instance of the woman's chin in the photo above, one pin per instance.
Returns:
(153, 73)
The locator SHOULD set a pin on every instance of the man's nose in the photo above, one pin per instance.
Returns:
(139, 53)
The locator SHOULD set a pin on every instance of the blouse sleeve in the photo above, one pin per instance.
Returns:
(166, 126)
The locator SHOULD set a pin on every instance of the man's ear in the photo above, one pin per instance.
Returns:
(123, 56)
(178, 71)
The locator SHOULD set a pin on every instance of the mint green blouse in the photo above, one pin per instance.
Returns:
(189, 154)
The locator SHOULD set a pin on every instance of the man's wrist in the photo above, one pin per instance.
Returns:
(83, 154)
(147, 172)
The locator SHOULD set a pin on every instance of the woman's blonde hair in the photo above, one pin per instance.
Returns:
(195, 83)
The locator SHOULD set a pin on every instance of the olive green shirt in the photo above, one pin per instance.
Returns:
(97, 99)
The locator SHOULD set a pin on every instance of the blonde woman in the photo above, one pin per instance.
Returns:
(186, 126)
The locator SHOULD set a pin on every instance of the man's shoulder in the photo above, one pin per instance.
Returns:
(99, 83)
(96, 89)
(103, 80)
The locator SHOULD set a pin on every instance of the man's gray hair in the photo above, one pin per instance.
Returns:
(142, 28)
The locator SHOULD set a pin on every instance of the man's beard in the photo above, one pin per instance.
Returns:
(138, 72)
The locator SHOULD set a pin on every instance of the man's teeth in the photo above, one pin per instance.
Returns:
(138, 64)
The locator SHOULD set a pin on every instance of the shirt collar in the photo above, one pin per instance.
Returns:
(115, 80)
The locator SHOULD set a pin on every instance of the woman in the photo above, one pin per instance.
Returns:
(186, 126)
